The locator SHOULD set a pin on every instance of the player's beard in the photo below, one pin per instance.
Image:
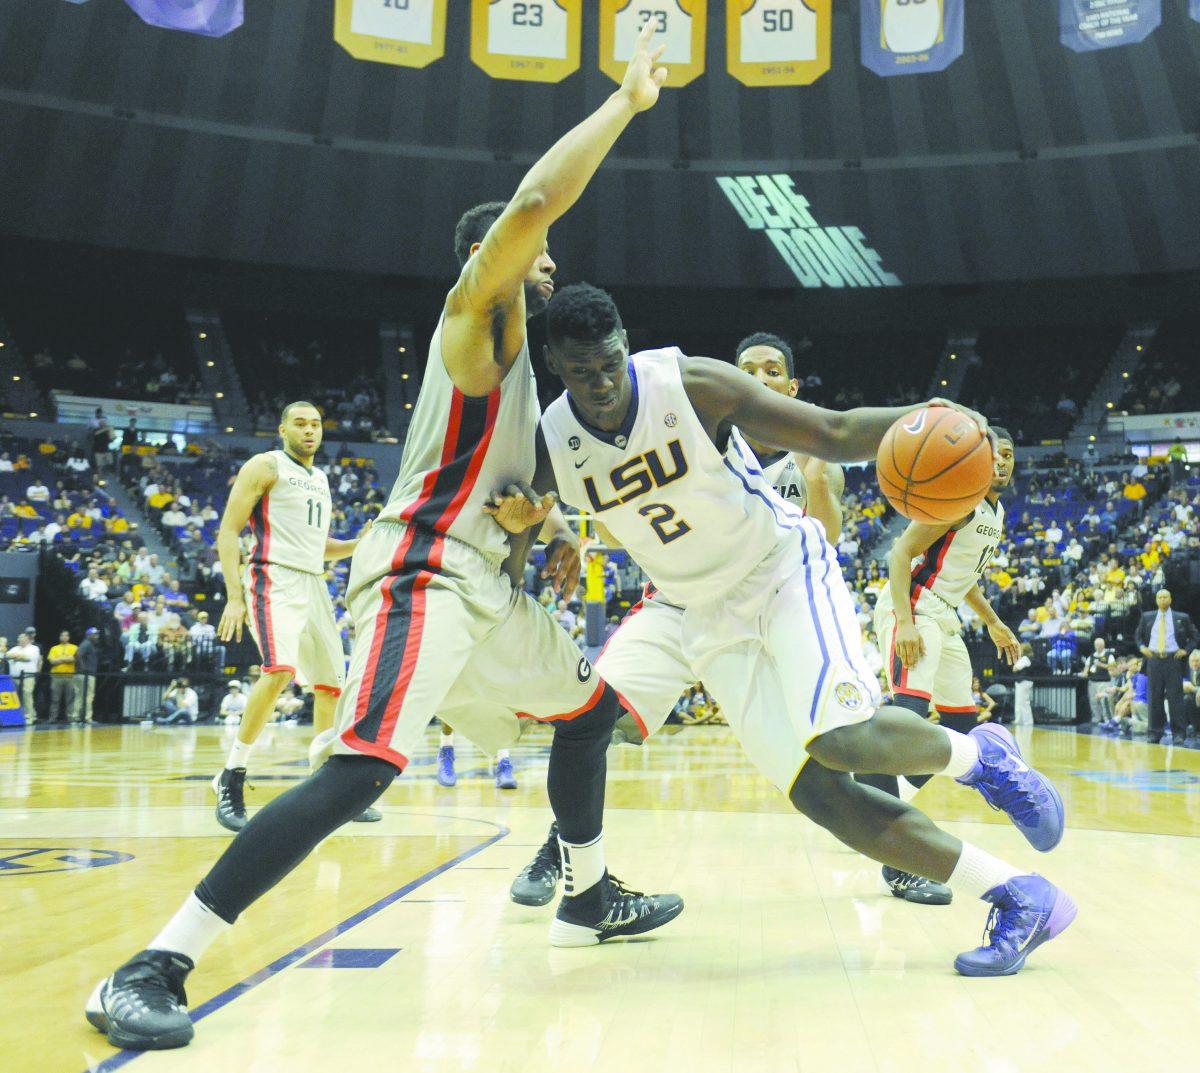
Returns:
(297, 448)
(535, 301)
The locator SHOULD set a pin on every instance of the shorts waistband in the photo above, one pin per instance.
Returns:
(492, 562)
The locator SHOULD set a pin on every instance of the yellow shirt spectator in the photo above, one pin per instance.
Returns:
(66, 652)
(1135, 491)
(1116, 576)
(160, 499)
(24, 510)
(1043, 613)
(46, 448)
(139, 591)
(116, 525)
(79, 520)
(1003, 579)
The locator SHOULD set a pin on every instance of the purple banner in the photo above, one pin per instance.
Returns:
(1087, 25)
(907, 37)
(212, 18)
(1194, 9)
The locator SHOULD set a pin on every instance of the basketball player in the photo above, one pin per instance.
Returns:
(285, 499)
(932, 571)
(440, 626)
(748, 599)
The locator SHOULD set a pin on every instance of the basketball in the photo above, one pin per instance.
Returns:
(935, 465)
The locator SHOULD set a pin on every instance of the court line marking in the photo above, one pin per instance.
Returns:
(217, 1002)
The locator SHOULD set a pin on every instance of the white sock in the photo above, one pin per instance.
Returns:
(583, 866)
(502, 754)
(191, 930)
(448, 740)
(964, 753)
(978, 872)
(239, 754)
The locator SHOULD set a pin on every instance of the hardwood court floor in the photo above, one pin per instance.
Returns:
(789, 956)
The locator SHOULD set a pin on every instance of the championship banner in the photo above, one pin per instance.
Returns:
(11, 713)
(908, 37)
(1087, 25)
(212, 18)
(407, 33)
(777, 42)
(679, 24)
(526, 40)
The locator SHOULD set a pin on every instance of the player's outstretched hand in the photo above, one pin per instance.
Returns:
(232, 618)
(1008, 647)
(645, 75)
(564, 561)
(909, 645)
(519, 507)
(974, 415)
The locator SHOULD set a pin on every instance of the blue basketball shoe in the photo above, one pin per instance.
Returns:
(1027, 911)
(445, 771)
(505, 778)
(1010, 785)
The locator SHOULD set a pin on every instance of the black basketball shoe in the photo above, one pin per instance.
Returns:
(229, 787)
(917, 889)
(610, 910)
(538, 880)
(142, 1006)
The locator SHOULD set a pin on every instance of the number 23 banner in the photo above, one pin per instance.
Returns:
(908, 37)
(777, 42)
(526, 40)
(679, 25)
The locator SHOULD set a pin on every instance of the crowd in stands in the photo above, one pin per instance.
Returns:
(332, 364)
(1166, 381)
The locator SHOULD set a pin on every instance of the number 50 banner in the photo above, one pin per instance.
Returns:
(777, 42)
(679, 24)
(908, 37)
(526, 40)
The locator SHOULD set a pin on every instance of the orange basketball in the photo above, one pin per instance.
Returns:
(935, 465)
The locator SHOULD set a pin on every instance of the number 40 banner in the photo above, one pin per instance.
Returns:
(526, 40)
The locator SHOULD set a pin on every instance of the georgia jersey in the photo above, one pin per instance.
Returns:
(289, 525)
(955, 561)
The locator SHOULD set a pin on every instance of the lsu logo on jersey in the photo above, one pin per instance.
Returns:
(849, 696)
(637, 477)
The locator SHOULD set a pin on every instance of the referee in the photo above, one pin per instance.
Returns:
(1165, 637)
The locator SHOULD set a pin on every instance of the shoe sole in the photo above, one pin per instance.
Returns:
(532, 901)
(564, 934)
(1003, 735)
(924, 899)
(98, 1019)
(506, 785)
(368, 816)
(1062, 913)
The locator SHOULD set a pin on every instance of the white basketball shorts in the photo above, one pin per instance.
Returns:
(781, 654)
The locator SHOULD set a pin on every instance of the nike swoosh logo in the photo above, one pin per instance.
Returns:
(620, 922)
(580, 465)
(915, 426)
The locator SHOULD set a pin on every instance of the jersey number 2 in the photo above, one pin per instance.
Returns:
(662, 518)
(314, 511)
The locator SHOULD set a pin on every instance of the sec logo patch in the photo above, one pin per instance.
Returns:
(849, 696)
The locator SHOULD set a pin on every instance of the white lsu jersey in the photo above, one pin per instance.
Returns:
(516, 28)
(659, 479)
(460, 449)
(955, 561)
(290, 523)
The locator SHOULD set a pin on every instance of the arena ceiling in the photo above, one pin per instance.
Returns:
(1022, 160)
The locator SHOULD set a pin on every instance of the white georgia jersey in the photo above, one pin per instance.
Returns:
(957, 560)
(784, 475)
(459, 450)
(290, 524)
(695, 520)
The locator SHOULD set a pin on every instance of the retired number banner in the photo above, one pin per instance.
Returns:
(1087, 25)
(908, 37)
(679, 24)
(407, 33)
(212, 18)
(526, 40)
(777, 42)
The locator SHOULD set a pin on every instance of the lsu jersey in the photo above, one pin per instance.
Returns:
(289, 525)
(695, 520)
(460, 449)
(958, 559)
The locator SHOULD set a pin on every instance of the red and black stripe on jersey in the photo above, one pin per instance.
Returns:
(400, 621)
(928, 568)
